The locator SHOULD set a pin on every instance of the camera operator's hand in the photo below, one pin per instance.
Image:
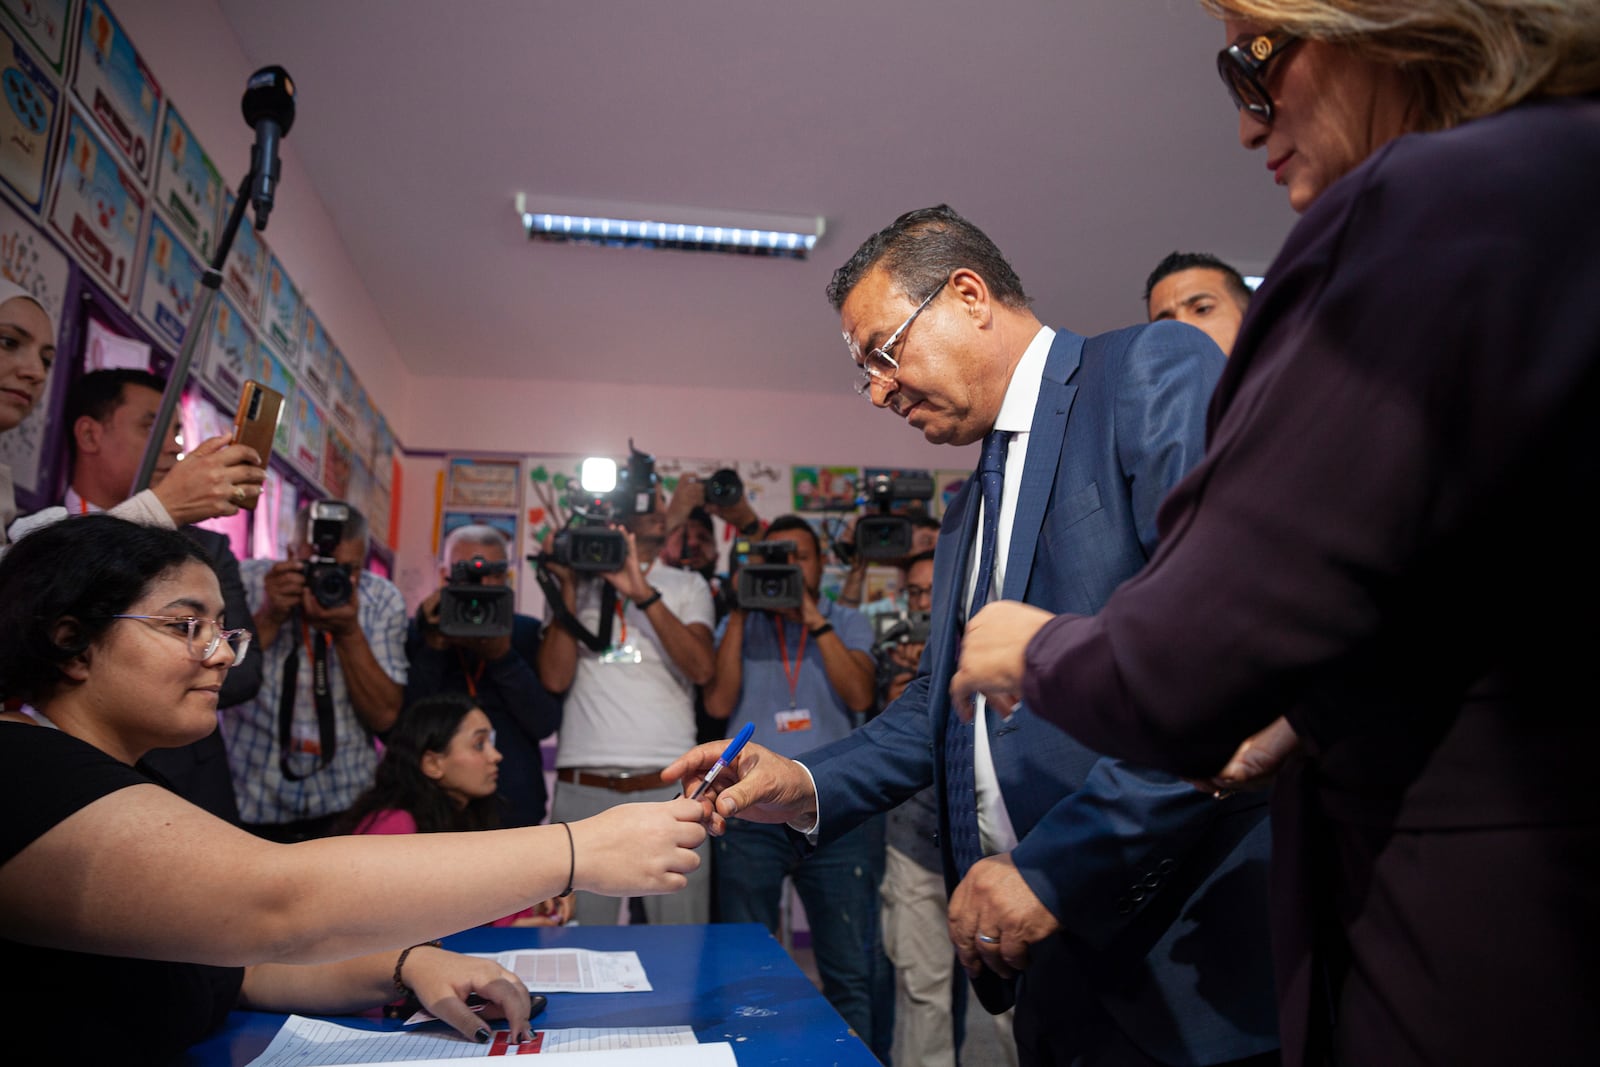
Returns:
(341, 621)
(212, 480)
(428, 622)
(282, 588)
(740, 516)
(690, 494)
(629, 580)
(547, 560)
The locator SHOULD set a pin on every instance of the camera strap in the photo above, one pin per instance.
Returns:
(321, 694)
(551, 587)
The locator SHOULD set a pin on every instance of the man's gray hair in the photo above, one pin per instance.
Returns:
(477, 533)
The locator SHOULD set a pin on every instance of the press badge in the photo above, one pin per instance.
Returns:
(793, 720)
(622, 654)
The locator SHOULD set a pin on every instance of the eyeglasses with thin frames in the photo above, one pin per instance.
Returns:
(189, 628)
(1243, 65)
(878, 365)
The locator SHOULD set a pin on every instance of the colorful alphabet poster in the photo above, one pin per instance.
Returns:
(280, 311)
(230, 353)
(337, 460)
(27, 122)
(343, 399)
(244, 274)
(308, 430)
(117, 88)
(98, 208)
(188, 186)
(316, 354)
(171, 284)
(46, 24)
(30, 260)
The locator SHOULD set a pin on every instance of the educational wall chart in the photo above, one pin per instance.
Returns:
(27, 122)
(280, 310)
(117, 88)
(230, 350)
(97, 208)
(171, 286)
(244, 272)
(273, 373)
(188, 185)
(316, 354)
(47, 25)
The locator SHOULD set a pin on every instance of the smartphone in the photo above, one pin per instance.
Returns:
(256, 421)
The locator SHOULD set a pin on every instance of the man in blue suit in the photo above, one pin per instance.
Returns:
(1122, 909)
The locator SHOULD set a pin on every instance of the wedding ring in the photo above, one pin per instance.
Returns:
(987, 940)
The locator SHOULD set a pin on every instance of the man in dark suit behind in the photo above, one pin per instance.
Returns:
(1123, 909)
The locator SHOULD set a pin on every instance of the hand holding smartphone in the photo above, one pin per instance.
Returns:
(256, 422)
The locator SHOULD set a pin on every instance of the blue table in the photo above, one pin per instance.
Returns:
(731, 982)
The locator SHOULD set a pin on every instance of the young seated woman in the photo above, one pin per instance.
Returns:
(440, 771)
(111, 884)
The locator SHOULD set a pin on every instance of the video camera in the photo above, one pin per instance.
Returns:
(590, 542)
(329, 581)
(774, 584)
(884, 536)
(890, 631)
(468, 608)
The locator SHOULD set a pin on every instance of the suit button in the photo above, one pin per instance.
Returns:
(1124, 906)
(1138, 893)
(1152, 880)
(1165, 866)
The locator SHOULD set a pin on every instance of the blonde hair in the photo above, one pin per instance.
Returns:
(1462, 58)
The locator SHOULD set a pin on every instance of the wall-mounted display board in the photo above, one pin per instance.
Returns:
(280, 310)
(27, 122)
(188, 185)
(171, 285)
(97, 208)
(117, 88)
(47, 26)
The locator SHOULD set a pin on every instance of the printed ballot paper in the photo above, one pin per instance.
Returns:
(574, 970)
(303, 1042)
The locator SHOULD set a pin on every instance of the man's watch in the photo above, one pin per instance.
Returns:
(825, 628)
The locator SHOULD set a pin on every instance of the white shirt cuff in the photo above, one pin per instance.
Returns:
(811, 831)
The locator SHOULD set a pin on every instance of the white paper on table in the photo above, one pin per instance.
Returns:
(574, 970)
(303, 1042)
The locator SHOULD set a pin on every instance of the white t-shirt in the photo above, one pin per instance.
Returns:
(630, 714)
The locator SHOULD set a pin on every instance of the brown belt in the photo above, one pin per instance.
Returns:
(621, 783)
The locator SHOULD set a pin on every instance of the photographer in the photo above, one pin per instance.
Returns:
(301, 751)
(496, 671)
(630, 707)
(924, 535)
(804, 676)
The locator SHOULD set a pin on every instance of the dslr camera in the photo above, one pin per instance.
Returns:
(468, 608)
(590, 543)
(884, 536)
(891, 631)
(774, 584)
(330, 583)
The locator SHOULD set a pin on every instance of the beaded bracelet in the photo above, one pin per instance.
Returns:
(572, 859)
(400, 985)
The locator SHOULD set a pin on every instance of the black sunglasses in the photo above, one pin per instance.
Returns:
(1242, 66)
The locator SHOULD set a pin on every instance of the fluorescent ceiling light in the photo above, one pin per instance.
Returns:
(619, 225)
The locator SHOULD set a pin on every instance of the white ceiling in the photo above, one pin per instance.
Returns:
(1088, 137)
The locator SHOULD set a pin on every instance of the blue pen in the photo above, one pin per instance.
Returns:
(729, 754)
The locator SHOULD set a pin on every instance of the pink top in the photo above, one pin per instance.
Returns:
(395, 821)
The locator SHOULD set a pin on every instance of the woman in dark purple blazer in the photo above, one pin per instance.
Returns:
(1383, 542)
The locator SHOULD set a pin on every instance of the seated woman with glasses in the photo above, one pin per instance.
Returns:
(439, 773)
(170, 917)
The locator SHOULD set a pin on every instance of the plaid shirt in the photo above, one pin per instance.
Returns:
(251, 729)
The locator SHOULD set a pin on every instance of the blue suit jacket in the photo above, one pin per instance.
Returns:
(1160, 889)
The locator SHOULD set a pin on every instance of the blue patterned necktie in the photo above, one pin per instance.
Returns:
(960, 779)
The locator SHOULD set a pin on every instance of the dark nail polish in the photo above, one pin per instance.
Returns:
(483, 1035)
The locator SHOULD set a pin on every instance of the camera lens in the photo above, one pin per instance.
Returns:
(772, 588)
(475, 612)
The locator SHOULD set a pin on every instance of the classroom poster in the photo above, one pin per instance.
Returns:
(336, 463)
(825, 488)
(28, 259)
(97, 208)
(280, 311)
(316, 354)
(383, 449)
(307, 436)
(27, 122)
(946, 484)
(230, 350)
(47, 25)
(117, 88)
(342, 396)
(171, 286)
(188, 186)
(244, 272)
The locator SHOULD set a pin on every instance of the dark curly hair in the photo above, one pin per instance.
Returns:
(79, 572)
(424, 726)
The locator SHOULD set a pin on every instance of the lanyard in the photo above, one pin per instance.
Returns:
(622, 604)
(793, 678)
(472, 677)
(321, 697)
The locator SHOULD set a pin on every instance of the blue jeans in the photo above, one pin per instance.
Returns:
(838, 884)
